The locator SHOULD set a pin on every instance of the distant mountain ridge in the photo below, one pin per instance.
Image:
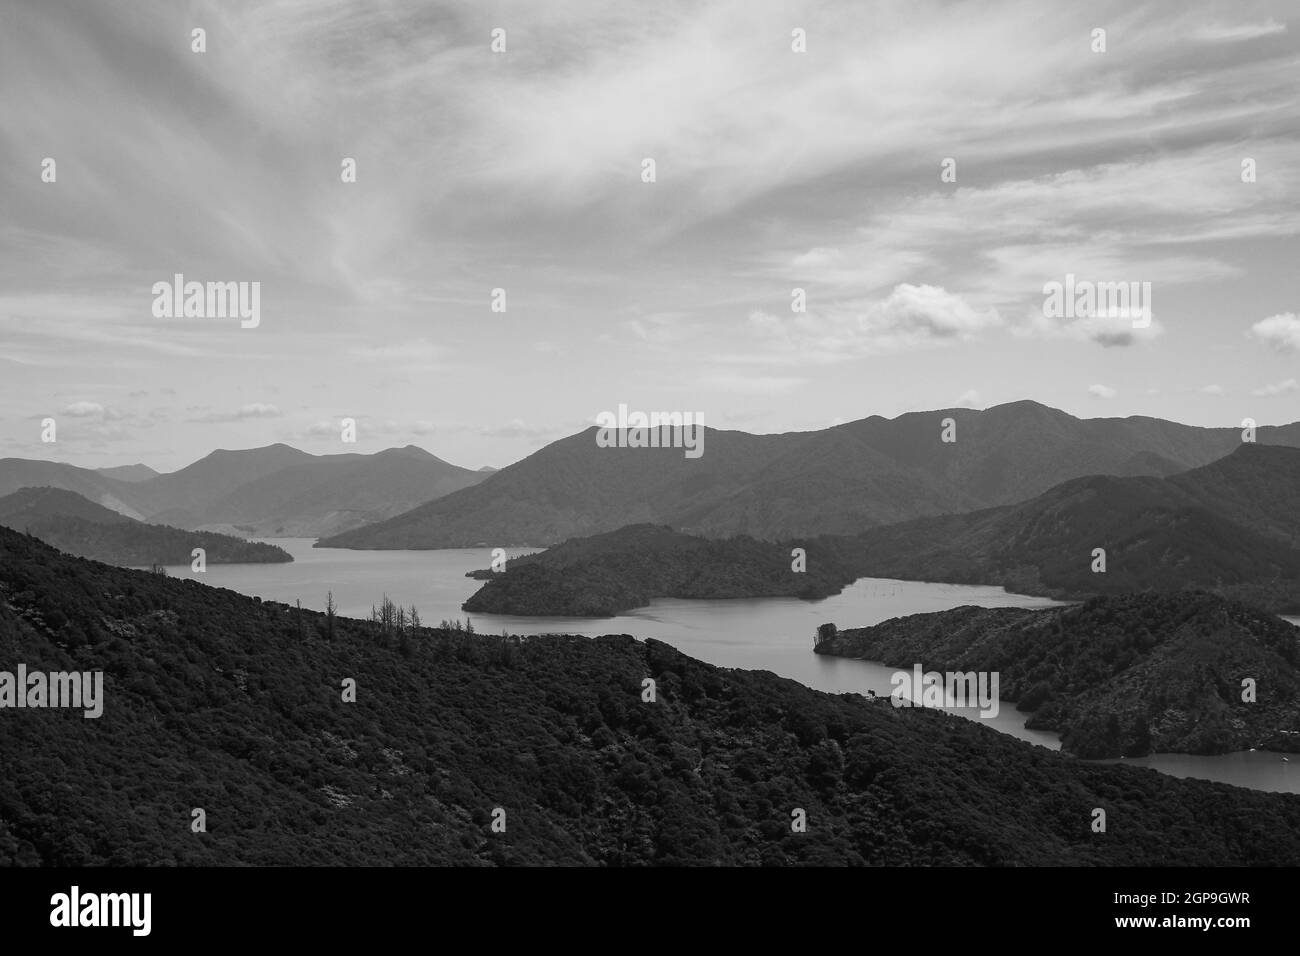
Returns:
(866, 473)
(135, 472)
(72, 523)
(272, 491)
(1231, 527)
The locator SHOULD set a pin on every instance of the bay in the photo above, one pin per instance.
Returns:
(772, 634)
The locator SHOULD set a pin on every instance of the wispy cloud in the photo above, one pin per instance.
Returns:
(1278, 388)
(243, 413)
(1236, 32)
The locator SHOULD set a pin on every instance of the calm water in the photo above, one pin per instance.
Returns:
(773, 634)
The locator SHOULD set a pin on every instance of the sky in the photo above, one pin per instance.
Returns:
(523, 170)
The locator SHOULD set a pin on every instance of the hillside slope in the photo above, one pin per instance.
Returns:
(1230, 526)
(71, 523)
(1125, 675)
(232, 705)
(607, 574)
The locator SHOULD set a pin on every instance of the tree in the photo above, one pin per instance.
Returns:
(387, 614)
(330, 608)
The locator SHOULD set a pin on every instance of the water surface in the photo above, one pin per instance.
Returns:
(772, 634)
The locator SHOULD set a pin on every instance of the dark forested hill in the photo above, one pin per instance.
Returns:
(224, 703)
(1230, 527)
(610, 573)
(837, 480)
(73, 524)
(1127, 675)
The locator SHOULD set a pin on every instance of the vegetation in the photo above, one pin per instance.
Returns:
(1230, 528)
(1116, 676)
(73, 524)
(224, 702)
(607, 574)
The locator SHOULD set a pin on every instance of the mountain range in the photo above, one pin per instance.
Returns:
(838, 480)
(272, 491)
(1231, 527)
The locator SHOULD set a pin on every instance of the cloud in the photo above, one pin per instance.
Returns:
(1278, 388)
(929, 311)
(1103, 330)
(368, 428)
(84, 410)
(1101, 391)
(1280, 332)
(404, 353)
(243, 413)
(1211, 390)
(743, 384)
(518, 428)
(663, 328)
(910, 317)
(1234, 32)
(323, 429)
(968, 399)
(775, 170)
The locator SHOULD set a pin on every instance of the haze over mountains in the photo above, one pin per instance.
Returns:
(72, 523)
(272, 491)
(838, 480)
(136, 472)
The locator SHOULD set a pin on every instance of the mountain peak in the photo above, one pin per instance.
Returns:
(409, 451)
